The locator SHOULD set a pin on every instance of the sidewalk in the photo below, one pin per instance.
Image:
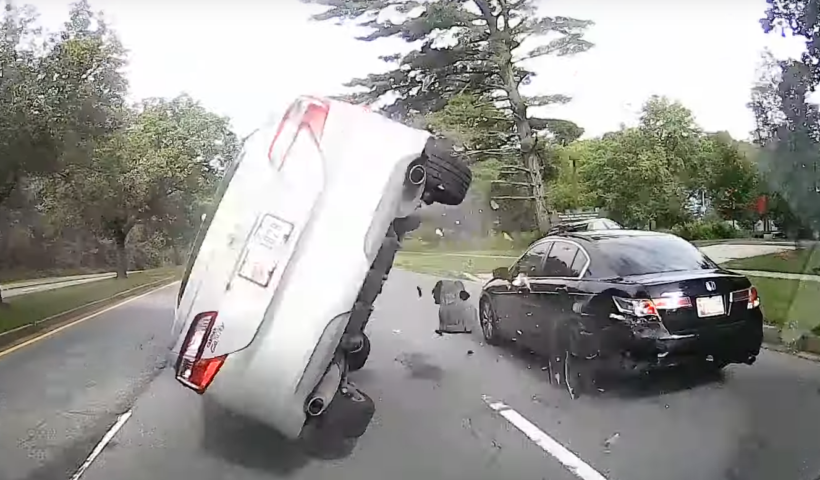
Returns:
(45, 284)
(784, 276)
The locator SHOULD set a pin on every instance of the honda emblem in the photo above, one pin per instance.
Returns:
(710, 286)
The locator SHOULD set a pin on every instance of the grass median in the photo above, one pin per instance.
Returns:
(791, 304)
(33, 307)
(800, 261)
(453, 264)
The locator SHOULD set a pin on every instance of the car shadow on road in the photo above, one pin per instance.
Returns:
(658, 382)
(623, 385)
(248, 443)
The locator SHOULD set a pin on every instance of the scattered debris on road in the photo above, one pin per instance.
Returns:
(455, 314)
(609, 442)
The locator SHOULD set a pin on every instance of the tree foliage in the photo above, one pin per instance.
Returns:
(477, 47)
(81, 169)
(58, 93)
(153, 172)
(800, 18)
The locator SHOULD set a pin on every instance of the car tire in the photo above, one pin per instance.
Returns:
(448, 177)
(357, 359)
(488, 322)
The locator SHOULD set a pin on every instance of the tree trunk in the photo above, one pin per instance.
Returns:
(122, 255)
(502, 46)
(532, 160)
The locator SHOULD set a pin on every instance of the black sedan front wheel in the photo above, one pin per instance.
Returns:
(489, 322)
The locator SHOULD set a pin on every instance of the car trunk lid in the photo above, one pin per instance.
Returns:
(712, 300)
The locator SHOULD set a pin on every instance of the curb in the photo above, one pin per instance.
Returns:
(17, 335)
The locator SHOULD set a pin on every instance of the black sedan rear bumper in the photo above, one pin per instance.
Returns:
(738, 342)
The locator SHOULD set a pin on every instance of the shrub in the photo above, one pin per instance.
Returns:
(700, 230)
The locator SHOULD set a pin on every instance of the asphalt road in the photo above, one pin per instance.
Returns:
(60, 395)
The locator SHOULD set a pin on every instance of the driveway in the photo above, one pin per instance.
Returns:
(434, 394)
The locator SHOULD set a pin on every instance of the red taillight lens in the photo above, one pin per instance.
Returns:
(754, 300)
(672, 302)
(193, 371)
(306, 113)
(203, 372)
(638, 307)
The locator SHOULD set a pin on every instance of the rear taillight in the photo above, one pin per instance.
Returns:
(306, 113)
(637, 307)
(748, 295)
(672, 302)
(754, 300)
(192, 370)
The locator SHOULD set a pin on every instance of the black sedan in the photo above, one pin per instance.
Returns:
(621, 300)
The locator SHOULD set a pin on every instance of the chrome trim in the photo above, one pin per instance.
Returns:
(677, 337)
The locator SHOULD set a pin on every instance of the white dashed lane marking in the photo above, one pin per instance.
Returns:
(109, 435)
(572, 462)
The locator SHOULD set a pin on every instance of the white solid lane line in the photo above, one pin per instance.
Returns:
(109, 435)
(568, 459)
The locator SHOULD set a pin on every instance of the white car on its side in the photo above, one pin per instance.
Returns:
(282, 278)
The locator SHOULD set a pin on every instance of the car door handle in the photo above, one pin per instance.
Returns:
(563, 289)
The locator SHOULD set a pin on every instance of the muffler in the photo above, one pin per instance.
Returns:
(416, 175)
(415, 180)
(320, 398)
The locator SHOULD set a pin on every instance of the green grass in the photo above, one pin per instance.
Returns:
(789, 303)
(801, 260)
(25, 309)
(19, 275)
(452, 265)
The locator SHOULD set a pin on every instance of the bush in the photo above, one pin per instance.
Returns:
(699, 230)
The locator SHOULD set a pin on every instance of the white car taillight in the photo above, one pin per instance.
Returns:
(192, 370)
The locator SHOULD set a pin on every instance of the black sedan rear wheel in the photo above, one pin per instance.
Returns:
(489, 322)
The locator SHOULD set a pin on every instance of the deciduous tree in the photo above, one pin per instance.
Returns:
(151, 171)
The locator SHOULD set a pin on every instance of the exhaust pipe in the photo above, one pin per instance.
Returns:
(320, 399)
(416, 175)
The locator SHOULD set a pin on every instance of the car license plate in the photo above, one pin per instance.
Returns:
(711, 306)
(264, 250)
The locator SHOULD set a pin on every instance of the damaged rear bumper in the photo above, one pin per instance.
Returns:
(738, 342)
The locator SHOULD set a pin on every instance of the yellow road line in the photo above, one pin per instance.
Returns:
(78, 321)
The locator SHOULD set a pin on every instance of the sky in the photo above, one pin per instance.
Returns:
(246, 58)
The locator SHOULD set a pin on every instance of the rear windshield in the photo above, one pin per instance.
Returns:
(650, 254)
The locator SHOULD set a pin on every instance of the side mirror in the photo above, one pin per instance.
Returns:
(502, 273)
(521, 280)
